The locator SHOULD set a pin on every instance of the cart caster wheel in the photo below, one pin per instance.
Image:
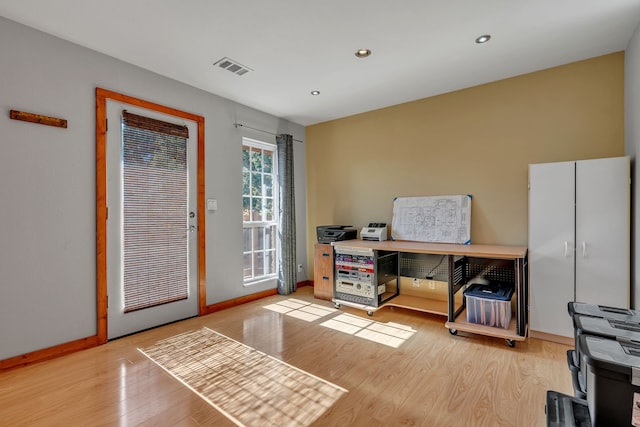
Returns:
(369, 313)
(511, 343)
(453, 331)
(336, 305)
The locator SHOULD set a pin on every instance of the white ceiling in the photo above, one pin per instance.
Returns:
(420, 48)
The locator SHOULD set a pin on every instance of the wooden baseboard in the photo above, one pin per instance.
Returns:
(48, 353)
(553, 338)
(85, 343)
(245, 299)
(212, 308)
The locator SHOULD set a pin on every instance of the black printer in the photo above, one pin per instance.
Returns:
(335, 233)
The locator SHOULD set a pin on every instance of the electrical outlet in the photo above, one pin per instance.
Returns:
(416, 283)
(432, 284)
(299, 268)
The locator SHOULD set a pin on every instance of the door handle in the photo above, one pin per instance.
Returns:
(584, 249)
(566, 249)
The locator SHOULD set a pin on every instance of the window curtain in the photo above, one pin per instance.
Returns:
(287, 275)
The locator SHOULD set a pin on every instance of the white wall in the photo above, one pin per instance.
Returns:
(47, 184)
(632, 147)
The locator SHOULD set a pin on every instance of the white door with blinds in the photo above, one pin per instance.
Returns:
(152, 219)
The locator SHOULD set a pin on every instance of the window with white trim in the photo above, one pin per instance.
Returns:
(259, 210)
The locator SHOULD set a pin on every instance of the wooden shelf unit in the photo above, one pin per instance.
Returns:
(461, 324)
(425, 305)
(453, 307)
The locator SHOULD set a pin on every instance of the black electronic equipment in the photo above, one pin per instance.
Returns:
(335, 233)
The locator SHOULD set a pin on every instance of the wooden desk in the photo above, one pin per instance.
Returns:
(456, 317)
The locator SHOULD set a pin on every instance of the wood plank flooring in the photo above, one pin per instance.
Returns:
(400, 368)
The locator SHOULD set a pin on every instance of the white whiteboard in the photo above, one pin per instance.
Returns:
(439, 219)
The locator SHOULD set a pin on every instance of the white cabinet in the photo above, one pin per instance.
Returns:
(579, 234)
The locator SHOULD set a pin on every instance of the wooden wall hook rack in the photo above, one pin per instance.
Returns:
(37, 118)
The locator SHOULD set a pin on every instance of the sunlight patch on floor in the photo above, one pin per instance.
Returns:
(301, 309)
(390, 334)
(250, 387)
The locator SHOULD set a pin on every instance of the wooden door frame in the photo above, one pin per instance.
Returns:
(102, 95)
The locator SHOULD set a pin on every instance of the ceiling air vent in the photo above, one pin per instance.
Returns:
(233, 66)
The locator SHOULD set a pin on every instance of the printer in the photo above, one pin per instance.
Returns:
(374, 231)
(335, 233)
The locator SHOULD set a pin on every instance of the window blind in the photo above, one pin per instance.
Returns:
(155, 212)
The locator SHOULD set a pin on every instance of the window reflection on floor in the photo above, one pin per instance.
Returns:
(301, 309)
(390, 334)
(250, 387)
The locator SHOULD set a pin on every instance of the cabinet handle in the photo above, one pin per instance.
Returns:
(325, 277)
(584, 249)
(566, 249)
(325, 254)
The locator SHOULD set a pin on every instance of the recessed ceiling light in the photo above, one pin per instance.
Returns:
(363, 53)
(315, 92)
(483, 39)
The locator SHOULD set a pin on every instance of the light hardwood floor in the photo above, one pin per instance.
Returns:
(430, 379)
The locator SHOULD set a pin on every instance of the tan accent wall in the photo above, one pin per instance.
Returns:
(475, 141)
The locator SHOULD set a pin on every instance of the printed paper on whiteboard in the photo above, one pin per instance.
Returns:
(439, 219)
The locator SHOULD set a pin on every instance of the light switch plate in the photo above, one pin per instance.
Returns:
(212, 205)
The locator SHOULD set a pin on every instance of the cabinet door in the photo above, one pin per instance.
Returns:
(323, 272)
(551, 246)
(602, 231)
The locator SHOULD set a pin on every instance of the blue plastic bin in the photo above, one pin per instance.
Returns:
(489, 305)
